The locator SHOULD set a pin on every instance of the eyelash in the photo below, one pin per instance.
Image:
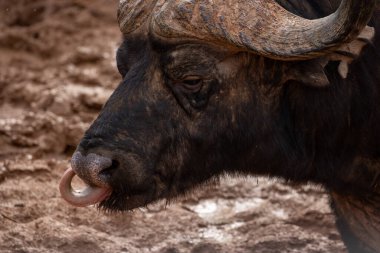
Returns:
(192, 84)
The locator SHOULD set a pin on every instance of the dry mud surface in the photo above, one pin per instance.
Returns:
(57, 68)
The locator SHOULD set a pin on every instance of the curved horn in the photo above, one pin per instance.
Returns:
(133, 13)
(262, 26)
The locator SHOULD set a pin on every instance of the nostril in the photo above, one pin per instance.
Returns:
(106, 173)
(90, 166)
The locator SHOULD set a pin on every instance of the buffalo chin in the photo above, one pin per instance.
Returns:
(120, 200)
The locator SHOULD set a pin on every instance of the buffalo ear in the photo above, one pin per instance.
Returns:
(348, 52)
(309, 72)
(312, 73)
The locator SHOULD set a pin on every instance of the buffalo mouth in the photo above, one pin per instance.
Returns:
(106, 197)
(120, 201)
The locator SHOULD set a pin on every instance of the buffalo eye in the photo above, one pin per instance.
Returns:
(192, 83)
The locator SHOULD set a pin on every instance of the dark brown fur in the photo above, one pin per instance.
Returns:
(188, 112)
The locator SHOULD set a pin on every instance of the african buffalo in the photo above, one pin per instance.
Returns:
(241, 87)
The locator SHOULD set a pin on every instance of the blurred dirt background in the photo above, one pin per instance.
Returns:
(57, 68)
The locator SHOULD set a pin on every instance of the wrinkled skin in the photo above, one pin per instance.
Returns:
(187, 112)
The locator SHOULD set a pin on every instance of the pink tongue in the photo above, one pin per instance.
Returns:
(85, 197)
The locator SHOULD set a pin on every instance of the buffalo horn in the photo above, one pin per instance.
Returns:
(260, 26)
(133, 13)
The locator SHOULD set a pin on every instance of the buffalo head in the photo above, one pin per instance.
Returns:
(204, 92)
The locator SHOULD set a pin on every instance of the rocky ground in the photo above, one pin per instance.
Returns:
(57, 68)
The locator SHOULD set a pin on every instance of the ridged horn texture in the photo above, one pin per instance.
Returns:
(258, 26)
(132, 14)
